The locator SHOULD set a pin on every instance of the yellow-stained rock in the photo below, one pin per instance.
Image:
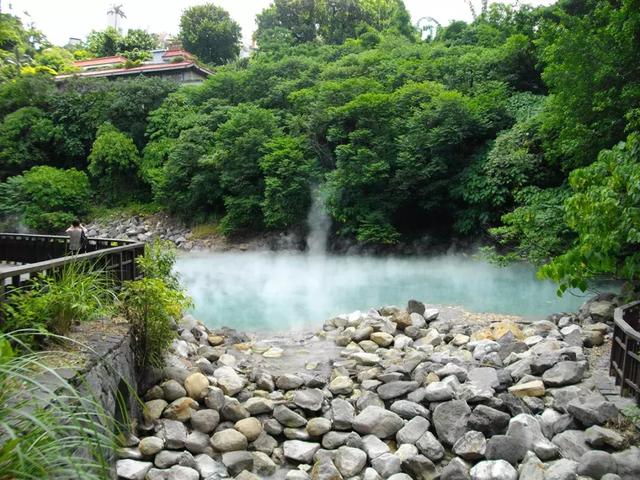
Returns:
(534, 388)
(196, 385)
(500, 329)
(484, 334)
(215, 340)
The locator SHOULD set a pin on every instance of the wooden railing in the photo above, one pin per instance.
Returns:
(24, 256)
(625, 349)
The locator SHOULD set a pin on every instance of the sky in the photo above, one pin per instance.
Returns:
(61, 19)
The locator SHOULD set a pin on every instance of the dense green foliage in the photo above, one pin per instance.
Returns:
(111, 42)
(210, 33)
(46, 198)
(471, 135)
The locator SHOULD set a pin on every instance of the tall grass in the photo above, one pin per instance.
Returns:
(79, 291)
(49, 429)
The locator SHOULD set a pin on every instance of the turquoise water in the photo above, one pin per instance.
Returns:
(262, 291)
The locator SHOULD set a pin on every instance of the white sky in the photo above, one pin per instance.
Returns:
(61, 19)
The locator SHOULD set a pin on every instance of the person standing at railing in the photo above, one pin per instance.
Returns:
(77, 237)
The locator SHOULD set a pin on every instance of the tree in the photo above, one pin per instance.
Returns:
(28, 138)
(604, 211)
(105, 43)
(117, 12)
(287, 171)
(113, 164)
(46, 198)
(210, 33)
(58, 58)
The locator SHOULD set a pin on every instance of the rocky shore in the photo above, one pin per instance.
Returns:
(393, 394)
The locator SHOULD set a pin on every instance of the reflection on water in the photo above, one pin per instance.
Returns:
(257, 291)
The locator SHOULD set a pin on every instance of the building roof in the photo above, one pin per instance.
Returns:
(151, 68)
(177, 52)
(99, 61)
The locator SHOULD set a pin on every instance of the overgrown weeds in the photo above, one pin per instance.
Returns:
(49, 429)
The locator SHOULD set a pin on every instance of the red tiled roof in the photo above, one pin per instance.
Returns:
(176, 52)
(100, 61)
(141, 69)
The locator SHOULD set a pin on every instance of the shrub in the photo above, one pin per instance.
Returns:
(152, 306)
(79, 292)
(73, 437)
(46, 198)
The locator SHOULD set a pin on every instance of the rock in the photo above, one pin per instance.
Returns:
(180, 409)
(265, 443)
(316, 427)
(300, 451)
(534, 388)
(562, 469)
(289, 382)
(167, 458)
(387, 464)
(132, 469)
(262, 464)
(196, 385)
(406, 451)
(209, 468)
(149, 446)
(230, 382)
(488, 420)
(173, 433)
(430, 447)
(297, 475)
(611, 476)
(342, 413)
(572, 444)
(564, 373)
(373, 446)
(173, 390)
(502, 447)
(350, 461)
(250, 427)
(438, 392)
(341, 385)
(456, 469)
(494, 470)
(628, 462)
(452, 369)
(245, 475)
(593, 409)
(450, 420)
(596, 464)
(419, 467)
(176, 472)
(309, 399)
(382, 339)
(288, 417)
(233, 410)
(554, 422)
(412, 430)
(214, 398)
(484, 377)
(415, 306)
(264, 381)
(531, 468)
(377, 421)
(527, 429)
(600, 437)
(153, 410)
(205, 420)
(325, 470)
(402, 319)
(471, 446)
(228, 440)
(408, 410)
(237, 461)
(258, 405)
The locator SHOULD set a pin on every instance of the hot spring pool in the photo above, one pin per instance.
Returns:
(275, 291)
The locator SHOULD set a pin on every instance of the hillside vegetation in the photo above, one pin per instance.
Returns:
(519, 129)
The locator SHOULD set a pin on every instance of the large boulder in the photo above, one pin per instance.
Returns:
(527, 429)
(596, 464)
(564, 373)
(350, 461)
(593, 409)
(377, 421)
(450, 420)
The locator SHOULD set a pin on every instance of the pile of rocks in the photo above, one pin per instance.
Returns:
(411, 396)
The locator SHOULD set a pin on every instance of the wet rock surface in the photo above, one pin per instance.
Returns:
(387, 394)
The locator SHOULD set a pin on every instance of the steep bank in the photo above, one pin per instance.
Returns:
(397, 393)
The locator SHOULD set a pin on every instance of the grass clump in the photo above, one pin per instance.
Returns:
(77, 292)
(49, 429)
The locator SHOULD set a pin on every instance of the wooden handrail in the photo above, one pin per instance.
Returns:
(625, 349)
